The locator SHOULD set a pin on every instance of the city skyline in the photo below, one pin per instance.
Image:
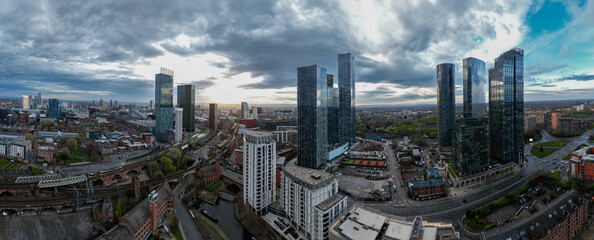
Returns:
(238, 61)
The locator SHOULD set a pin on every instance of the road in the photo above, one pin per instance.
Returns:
(453, 208)
(190, 229)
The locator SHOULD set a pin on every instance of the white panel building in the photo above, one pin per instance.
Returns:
(25, 101)
(259, 165)
(178, 124)
(311, 200)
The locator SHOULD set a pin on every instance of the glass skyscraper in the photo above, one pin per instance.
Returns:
(164, 104)
(471, 152)
(446, 104)
(506, 106)
(186, 99)
(53, 108)
(332, 110)
(346, 98)
(475, 91)
(312, 116)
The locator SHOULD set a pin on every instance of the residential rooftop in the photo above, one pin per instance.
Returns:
(310, 176)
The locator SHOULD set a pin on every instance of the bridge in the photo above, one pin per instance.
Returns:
(37, 178)
(232, 178)
(62, 181)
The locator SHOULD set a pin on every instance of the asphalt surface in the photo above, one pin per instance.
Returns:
(190, 229)
(453, 208)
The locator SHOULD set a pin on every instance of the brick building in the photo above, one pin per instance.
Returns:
(145, 218)
(428, 189)
(208, 175)
(581, 164)
(555, 120)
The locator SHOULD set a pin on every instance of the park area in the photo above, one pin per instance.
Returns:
(544, 149)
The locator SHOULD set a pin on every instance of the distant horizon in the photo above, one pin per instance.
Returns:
(396, 44)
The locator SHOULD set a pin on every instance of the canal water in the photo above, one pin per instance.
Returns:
(225, 214)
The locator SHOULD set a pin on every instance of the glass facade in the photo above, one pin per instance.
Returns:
(186, 99)
(213, 115)
(506, 106)
(475, 88)
(332, 111)
(346, 98)
(312, 116)
(446, 104)
(53, 108)
(163, 106)
(471, 152)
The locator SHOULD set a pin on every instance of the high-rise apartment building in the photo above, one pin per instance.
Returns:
(164, 104)
(311, 200)
(53, 108)
(471, 152)
(259, 170)
(446, 104)
(346, 98)
(506, 107)
(213, 115)
(566, 126)
(151, 103)
(245, 110)
(475, 90)
(186, 99)
(25, 102)
(332, 98)
(555, 120)
(312, 116)
(179, 116)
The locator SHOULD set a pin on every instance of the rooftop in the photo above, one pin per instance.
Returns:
(398, 230)
(429, 183)
(330, 202)
(368, 218)
(140, 213)
(308, 175)
(354, 230)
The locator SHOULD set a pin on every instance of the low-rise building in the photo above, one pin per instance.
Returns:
(311, 200)
(428, 189)
(15, 147)
(208, 175)
(566, 126)
(581, 164)
(363, 224)
(46, 153)
(145, 218)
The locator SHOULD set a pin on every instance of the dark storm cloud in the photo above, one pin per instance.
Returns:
(49, 41)
(582, 77)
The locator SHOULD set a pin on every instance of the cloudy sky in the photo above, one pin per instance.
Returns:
(237, 50)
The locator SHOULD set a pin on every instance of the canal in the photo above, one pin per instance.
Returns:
(225, 214)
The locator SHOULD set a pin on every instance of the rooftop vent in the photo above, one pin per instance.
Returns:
(315, 176)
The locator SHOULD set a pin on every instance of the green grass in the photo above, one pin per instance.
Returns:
(448, 159)
(4, 162)
(545, 152)
(552, 144)
(472, 224)
(349, 161)
(569, 155)
(76, 157)
(176, 232)
(215, 186)
(453, 172)
(36, 170)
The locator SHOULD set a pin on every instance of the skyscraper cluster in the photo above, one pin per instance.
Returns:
(323, 116)
(184, 114)
(492, 127)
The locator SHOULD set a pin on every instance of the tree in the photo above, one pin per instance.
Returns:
(72, 144)
(65, 154)
(154, 170)
(175, 154)
(29, 137)
(90, 147)
(167, 165)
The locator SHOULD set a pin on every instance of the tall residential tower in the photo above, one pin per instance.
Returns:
(312, 116)
(332, 110)
(259, 170)
(186, 99)
(164, 104)
(475, 90)
(446, 104)
(506, 106)
(346, 94)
